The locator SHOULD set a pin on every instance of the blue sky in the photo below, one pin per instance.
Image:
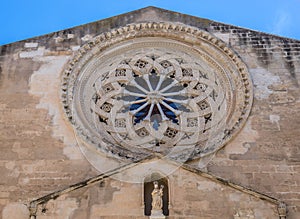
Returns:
(22, 19)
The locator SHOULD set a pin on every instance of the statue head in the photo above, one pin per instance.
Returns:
(155, 183)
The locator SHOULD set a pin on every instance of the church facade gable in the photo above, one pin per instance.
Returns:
(207, 110)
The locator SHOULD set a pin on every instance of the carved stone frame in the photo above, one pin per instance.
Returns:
(215, 51)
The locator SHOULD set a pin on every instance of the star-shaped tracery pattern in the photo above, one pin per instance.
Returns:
(155, 98)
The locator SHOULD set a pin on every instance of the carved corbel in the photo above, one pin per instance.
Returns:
(282, 210)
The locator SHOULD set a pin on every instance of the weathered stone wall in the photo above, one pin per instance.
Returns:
(266, 155)
(191, 197)
(39, 152)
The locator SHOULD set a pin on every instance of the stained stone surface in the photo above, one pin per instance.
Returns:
(191, 197)
(40, 150)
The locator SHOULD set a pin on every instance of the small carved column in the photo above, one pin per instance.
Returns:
(33, 209)
(282, 211)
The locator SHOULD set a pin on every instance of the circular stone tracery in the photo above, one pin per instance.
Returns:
(130, 97)
(155, 99)
(154, 104)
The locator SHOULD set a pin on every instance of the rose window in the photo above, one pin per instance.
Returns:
(158, 100)
(164, 88)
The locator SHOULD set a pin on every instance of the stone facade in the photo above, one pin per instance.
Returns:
(253, 176)
(201, 197)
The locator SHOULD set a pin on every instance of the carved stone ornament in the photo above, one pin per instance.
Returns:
(156, 87)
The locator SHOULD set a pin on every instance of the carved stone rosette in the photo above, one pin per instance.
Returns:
(156, 87)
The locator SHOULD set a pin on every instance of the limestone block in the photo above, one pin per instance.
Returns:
(39, 52)
(15, 210)
(31, 45)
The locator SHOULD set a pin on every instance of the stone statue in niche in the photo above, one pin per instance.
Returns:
(157, 202)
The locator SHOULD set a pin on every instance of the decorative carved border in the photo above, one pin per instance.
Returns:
(176, 31)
